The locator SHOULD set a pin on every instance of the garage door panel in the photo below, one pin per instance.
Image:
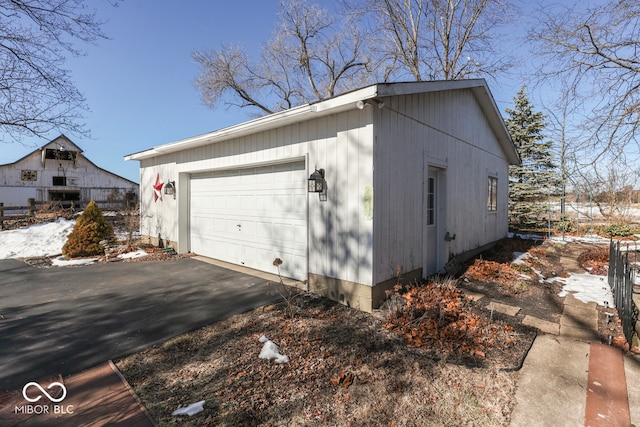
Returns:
(248, 202)
(248, 227)
(269, 204)
(264, 230)
(231, 202)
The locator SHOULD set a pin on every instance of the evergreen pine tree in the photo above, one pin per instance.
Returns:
(532, 180)
(90, 229)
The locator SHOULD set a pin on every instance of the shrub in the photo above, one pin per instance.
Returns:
(90, 229)
(569, 226)
(620, 230)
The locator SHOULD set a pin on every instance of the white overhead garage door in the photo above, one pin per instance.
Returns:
(252, 216)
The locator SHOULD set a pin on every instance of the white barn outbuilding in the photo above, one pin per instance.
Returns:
(59, 172)
(414, 175)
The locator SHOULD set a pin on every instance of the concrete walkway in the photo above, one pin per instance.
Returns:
(569, 379)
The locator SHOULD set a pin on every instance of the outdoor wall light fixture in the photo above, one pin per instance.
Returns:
(170, 189)
(373, 102)
(317, 184)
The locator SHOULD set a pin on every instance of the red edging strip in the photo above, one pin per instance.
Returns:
(607, 399)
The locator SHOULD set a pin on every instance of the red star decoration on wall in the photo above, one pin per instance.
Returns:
(157, 189)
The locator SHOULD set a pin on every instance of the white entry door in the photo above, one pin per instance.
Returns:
(434, 221)
(252, 216)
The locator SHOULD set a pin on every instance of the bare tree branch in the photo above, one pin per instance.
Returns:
(438, 39)
(37, 95)
(311, 56)
(595, 51)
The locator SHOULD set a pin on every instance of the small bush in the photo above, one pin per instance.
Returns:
(568, 226)
(522, 268)
(620, 230)
(90, 229)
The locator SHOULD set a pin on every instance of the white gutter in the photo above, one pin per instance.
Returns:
(337, 104)
(293, 115)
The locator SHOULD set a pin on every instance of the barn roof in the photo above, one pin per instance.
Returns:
(63, 142)
(345, 102)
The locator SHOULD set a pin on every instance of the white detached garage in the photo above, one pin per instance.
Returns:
(414, 174)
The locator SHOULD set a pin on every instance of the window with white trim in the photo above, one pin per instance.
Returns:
(492, 197)
(431, 200)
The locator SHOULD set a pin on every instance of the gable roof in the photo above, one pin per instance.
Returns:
(61, 136)
(345, 102)
(66, 146)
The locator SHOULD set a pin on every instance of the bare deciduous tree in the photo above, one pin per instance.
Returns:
(36, 93)
(594, 51)
(312, 55)
(611, 190)
(317, 53)
(438, 39)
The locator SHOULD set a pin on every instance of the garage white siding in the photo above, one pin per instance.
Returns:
(375, 143)
(252, 216)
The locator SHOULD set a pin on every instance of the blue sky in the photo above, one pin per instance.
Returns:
(139, 84)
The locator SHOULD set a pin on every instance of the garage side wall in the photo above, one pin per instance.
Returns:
(158, 211)
(448, 131)
(340, 229)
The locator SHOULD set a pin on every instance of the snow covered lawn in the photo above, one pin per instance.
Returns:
(36, 240)
(47, 240)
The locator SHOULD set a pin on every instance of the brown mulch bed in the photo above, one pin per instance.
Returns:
(430, 356)
(495, 276)
(153, 254)
(345, 368)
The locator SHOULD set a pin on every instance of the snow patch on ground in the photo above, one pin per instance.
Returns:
(192, 409)
(136, 254)
(271, 351)
(36, 240)
(62, 262)
(587, 288)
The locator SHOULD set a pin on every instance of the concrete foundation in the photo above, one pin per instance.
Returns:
(357, 295)
(162, 243)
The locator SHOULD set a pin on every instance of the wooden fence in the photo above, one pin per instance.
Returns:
(32, 207)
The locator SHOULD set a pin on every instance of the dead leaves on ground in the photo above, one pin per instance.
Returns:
(595, 261)
(439, 316)
(491, 271)
(345, 379)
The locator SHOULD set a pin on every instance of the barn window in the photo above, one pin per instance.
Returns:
(492, 198)
(29, 175)
(54, 154)
(64, 196)
(60, 181)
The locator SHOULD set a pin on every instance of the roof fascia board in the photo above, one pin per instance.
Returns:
(341, 103)
(409, 88)
(488, 104)
(294, 115)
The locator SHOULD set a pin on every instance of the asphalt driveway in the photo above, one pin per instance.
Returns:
(65, 320)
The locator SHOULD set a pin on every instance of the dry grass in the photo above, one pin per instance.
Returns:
(345, 370)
